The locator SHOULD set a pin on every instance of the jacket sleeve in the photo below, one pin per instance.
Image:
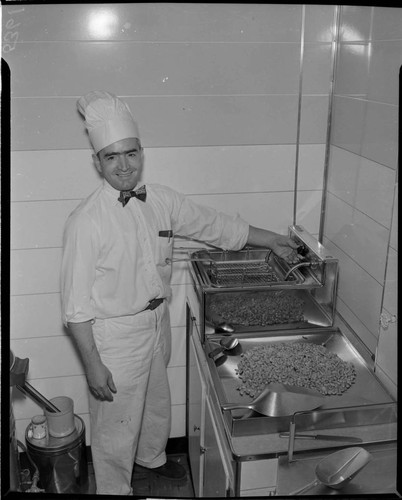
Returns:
(206, 224)
(78, 269)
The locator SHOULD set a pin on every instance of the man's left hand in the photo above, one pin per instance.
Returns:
(286, 248)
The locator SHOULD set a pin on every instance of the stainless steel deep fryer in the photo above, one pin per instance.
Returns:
(219, 276)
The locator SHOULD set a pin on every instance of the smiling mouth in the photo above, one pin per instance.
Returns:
(125, 175)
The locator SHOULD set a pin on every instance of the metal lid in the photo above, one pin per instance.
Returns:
(56, 445)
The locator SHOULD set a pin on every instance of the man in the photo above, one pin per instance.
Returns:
(115, 282)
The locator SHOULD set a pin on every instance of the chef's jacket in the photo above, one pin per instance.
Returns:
(114, 257)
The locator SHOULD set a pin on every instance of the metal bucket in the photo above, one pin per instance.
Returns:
(15, 468)
(62, 462)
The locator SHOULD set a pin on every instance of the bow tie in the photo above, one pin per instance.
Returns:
(125, 196)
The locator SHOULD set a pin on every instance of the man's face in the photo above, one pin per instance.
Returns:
(121, 163)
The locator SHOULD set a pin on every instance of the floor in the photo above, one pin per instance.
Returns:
(147, 484)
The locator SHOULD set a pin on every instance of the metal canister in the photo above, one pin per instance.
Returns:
(15, 468)
(62, 462)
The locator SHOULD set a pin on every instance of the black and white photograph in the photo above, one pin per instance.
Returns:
(200, 249)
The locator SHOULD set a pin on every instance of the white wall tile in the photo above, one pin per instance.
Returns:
(356, 23)
(366, 128)
(53, 175)
(358, 289)
(178, 121)
(167, 69)
(385, 63)
(311, 167)
(161, 22)
(272, 211)
(319, 23)
(48, 357)
(361, 238)
(34, 316)
(387, 23)
(39, 224)
(317, 68)
(177, 305)
(177, 382)
(222, 169)
(362, 183)
(35, 271)
(178, 428)
(178, 356)
(353, 67)
(309, 210)
(314, 119)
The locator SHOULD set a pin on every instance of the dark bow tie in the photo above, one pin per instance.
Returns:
(125, 196)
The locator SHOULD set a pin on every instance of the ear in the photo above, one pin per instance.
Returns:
(97, 163)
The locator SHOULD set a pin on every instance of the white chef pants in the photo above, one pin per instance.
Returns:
(135, 426)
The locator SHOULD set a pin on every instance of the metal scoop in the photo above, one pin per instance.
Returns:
(226, 344)
(279, 400)
(337, 469)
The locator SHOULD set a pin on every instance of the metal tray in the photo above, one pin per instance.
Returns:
(366, 390)
(244, 269)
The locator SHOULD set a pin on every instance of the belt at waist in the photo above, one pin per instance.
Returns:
(153, 304)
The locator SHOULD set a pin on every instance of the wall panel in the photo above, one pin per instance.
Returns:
(361, 238)
(35, 271)
(162, 22)
(39, 224)
(274, 209)
(166, 69)
(189, 170)
(361, 294)
(362, 183)
(197, 120)
(366, 128)
(35, 315)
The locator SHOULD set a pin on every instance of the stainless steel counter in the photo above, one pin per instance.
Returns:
(365, 402)
(377, 477)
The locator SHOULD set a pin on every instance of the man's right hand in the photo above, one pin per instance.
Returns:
(99, 377)
(100, 382)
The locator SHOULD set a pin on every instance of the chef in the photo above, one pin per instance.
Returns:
(115, 289)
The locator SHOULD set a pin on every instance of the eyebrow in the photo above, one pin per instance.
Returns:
(117, 153)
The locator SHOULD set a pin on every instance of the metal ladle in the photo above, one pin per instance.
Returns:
(338, 469)
(226, 344)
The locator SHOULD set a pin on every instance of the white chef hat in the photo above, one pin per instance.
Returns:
(107, 119)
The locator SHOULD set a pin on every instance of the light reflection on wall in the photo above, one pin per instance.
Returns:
(102, 23)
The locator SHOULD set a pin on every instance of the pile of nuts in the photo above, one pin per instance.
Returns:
(296, 363)
(260, 309)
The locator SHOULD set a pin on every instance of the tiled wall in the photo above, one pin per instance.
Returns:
(361, 214)
(215, 89)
